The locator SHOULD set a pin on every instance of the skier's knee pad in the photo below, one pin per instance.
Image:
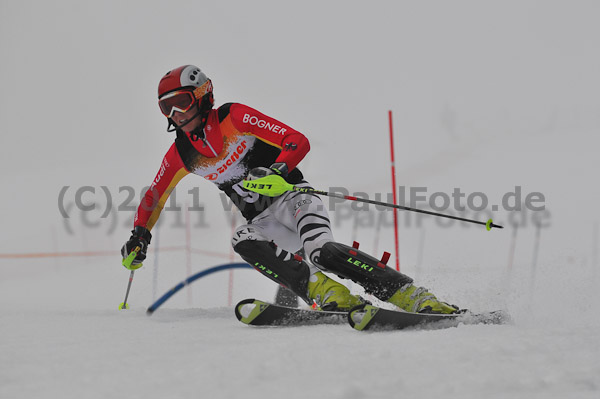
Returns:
(279, 265)
(373, 275)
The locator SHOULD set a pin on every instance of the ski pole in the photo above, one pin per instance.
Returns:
(127, 263)
(124, 304)
(274, 185)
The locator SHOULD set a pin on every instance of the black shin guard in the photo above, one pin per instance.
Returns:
(262, 255)
(375, 277)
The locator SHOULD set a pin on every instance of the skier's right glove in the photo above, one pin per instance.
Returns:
(140, 238)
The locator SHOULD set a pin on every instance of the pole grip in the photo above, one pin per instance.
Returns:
(129, 259)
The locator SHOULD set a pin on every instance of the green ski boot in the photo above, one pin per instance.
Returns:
(419, 300)
(329, 294)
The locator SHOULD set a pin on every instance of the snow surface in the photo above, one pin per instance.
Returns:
(62, 336)
(485, 97)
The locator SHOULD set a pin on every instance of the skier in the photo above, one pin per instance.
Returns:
(235, 142)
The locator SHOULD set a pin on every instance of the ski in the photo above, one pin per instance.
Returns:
(258, 313)
(365, 317)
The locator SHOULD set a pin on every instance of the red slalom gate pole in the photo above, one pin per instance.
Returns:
(394, 190)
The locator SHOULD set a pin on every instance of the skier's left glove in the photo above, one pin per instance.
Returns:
(278, 168)
(140, 238)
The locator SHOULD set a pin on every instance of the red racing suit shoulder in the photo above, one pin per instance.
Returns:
(293, 144)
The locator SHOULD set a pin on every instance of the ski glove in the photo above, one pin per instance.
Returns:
(140, 238)
(278, 168)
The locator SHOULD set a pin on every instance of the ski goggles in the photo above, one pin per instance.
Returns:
(180, 101)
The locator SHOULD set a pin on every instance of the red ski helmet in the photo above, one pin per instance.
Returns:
(187, 76)
(190, 79)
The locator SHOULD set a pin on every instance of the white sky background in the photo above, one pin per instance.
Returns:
(485, 95)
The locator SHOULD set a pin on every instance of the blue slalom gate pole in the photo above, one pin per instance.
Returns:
(192, 278)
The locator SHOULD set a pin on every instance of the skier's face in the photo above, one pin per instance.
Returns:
(182, 117)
